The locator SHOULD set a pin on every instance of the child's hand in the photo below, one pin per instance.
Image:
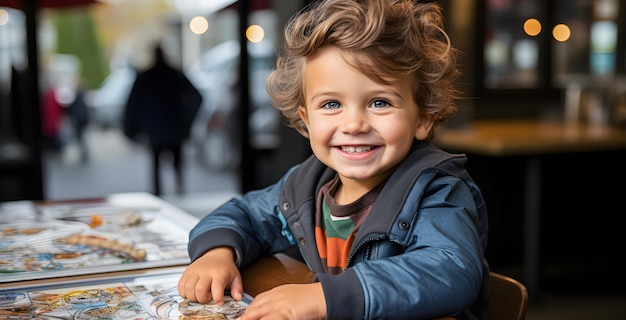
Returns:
(207, 277)
(290, 301)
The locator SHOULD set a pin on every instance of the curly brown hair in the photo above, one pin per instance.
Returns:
(387, 40)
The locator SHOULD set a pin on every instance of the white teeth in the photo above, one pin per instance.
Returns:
(350, 149)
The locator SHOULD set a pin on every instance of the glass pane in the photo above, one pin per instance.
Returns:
(512, 44)
(590, 50)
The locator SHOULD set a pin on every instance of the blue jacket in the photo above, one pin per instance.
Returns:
(418, 255)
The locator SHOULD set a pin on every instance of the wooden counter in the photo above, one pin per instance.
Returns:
(526, 137)
(274, 271)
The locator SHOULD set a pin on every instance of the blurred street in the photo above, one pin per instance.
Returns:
(117, 165)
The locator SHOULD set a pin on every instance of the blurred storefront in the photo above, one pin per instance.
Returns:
(515, 62)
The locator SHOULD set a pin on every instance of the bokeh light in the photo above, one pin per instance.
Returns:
(198, 25)
(561, 32)
(532, 27)
(4, 17)
(255, 33)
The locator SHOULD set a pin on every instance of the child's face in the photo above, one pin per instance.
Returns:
(358, 127)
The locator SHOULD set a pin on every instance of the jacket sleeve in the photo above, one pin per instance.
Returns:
(250, 224)
(439, 273)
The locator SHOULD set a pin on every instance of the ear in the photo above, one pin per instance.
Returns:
(303, 115)
(422, 132)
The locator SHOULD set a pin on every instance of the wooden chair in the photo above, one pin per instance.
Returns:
(508, 298)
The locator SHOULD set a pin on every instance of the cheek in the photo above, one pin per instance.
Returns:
(317, 129)
(320, 130)
(398, 129)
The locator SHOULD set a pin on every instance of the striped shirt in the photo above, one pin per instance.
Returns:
(336, 225)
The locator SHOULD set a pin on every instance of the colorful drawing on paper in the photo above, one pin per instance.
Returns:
(169, 305)
(78, 237)
(113, 301)
(107, 302)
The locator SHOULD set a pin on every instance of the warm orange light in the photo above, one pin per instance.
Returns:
(561, 32)
(532, 27)
(255, 33)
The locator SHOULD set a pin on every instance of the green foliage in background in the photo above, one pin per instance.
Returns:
(77, 35)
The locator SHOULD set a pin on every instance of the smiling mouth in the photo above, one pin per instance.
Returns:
(356, 149)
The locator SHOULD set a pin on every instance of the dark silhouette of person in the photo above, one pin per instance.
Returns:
(79, 116)
(161, 106)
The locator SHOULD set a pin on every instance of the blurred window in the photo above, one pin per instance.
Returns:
(512, 47)
(536, 44)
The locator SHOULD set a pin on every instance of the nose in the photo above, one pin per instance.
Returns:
(354, 121)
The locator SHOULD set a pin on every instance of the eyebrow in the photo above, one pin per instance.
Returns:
(374, 92)
(324, 93)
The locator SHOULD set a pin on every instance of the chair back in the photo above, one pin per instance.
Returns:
(508, 298)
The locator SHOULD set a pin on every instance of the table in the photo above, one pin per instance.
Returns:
(270, 272)
(279, 269)
(529, 137)
(532, 139)
(263, 275)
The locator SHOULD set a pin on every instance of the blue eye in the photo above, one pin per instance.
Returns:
(331, 105)
(379, 104)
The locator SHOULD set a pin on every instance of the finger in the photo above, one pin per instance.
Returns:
(255, 311)
(181, 287)
(217, 291)
(186, 286)
(236, 288)
(203, 292)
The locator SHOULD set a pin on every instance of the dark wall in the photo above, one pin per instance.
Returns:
(580, 207)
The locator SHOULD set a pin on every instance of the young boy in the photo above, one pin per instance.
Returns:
(393, 227)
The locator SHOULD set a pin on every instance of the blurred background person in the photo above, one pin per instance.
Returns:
(160, 108)
(52, 113)
(79, 118)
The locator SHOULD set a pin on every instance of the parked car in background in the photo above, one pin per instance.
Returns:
(216, 132)
(107, 102)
